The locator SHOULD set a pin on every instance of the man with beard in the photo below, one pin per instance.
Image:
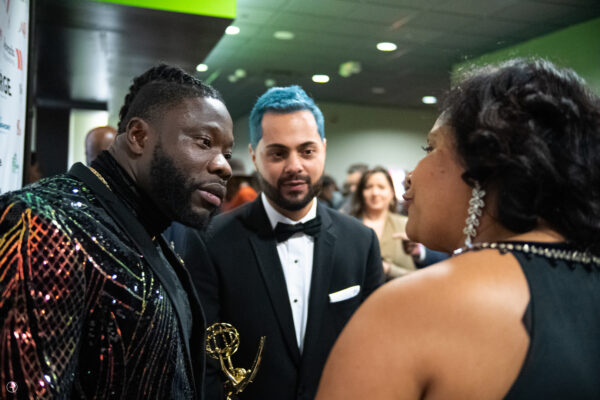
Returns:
(285, 266)
(94, 303)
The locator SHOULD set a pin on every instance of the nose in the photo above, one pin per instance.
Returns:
(294, 163)
(219, 166)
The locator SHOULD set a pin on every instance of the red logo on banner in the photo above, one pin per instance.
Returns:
(19, 59)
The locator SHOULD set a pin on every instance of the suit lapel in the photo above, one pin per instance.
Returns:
(196, 346)
(321, 276)
(267, 258)
(138, 234)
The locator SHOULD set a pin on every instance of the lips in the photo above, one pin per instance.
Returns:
(213, 193)
(407, 201)
(294, 184)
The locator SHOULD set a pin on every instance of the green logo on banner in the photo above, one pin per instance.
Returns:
(15, 164)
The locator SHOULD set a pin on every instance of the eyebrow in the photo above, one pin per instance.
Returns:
(431, 136)
(281, 146)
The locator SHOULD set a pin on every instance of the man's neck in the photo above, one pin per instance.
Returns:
(116, 151)
(295, 215)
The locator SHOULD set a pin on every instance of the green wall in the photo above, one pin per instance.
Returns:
(576, 47)
(212, 8)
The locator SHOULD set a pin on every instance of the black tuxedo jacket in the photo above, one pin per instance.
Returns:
(245, 286)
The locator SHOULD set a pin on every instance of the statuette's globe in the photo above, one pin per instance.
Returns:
(222, 340)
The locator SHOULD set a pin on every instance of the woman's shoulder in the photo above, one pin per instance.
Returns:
(464, 294)
(451, 312)
(461, 276)
(464, 311)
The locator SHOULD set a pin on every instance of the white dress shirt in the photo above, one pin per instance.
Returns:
(296, 256)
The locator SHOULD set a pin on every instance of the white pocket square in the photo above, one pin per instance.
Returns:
(344, 294)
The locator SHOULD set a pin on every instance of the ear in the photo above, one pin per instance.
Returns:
(137, 135)
(252, 153)
(325, 144)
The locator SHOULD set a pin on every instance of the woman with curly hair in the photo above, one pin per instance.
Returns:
(511, 183)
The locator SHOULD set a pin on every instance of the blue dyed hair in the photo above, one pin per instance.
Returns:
(282, 100)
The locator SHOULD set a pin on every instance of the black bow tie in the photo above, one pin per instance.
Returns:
(284, 231)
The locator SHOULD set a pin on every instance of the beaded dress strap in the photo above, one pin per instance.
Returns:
(536, 249)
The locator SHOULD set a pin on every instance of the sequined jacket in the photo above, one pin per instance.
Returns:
(86, 306)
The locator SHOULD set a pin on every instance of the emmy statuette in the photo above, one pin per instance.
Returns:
(222, 341)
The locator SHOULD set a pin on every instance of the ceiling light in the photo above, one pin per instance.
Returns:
(378, 90)
(283, 35)
(201, 67)
(269, 82)
(232, 78)
(429, 99)
(240, 73)
(386, 46)
(232, 30)
(320, 78)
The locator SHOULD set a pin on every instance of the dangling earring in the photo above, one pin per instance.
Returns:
(476, 204)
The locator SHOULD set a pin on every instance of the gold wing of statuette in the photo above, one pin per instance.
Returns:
(254, 369)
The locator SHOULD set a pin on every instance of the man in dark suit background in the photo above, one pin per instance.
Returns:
(284, 266)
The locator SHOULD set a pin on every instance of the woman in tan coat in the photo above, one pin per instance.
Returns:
(374, 203)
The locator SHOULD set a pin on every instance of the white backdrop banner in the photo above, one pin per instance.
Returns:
(14, 39)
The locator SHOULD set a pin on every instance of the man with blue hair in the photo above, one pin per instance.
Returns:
(285, 266)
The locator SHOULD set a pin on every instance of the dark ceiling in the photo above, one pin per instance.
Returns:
(88, 52)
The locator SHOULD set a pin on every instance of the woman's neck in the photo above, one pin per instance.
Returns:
(375, 215)
(541, 233)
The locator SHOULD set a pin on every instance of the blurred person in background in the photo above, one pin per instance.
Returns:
(34, 172)
(239, 188)
(511, 180)
(353, 175)
(375, 204)
(98, 140)
(329, 193)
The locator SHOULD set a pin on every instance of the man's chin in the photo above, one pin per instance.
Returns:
(295, 203)
(197, 219)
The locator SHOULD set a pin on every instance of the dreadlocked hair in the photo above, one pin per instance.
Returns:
(159, 87)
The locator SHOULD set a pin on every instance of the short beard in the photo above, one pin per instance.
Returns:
(274, 193)
(172, 191)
